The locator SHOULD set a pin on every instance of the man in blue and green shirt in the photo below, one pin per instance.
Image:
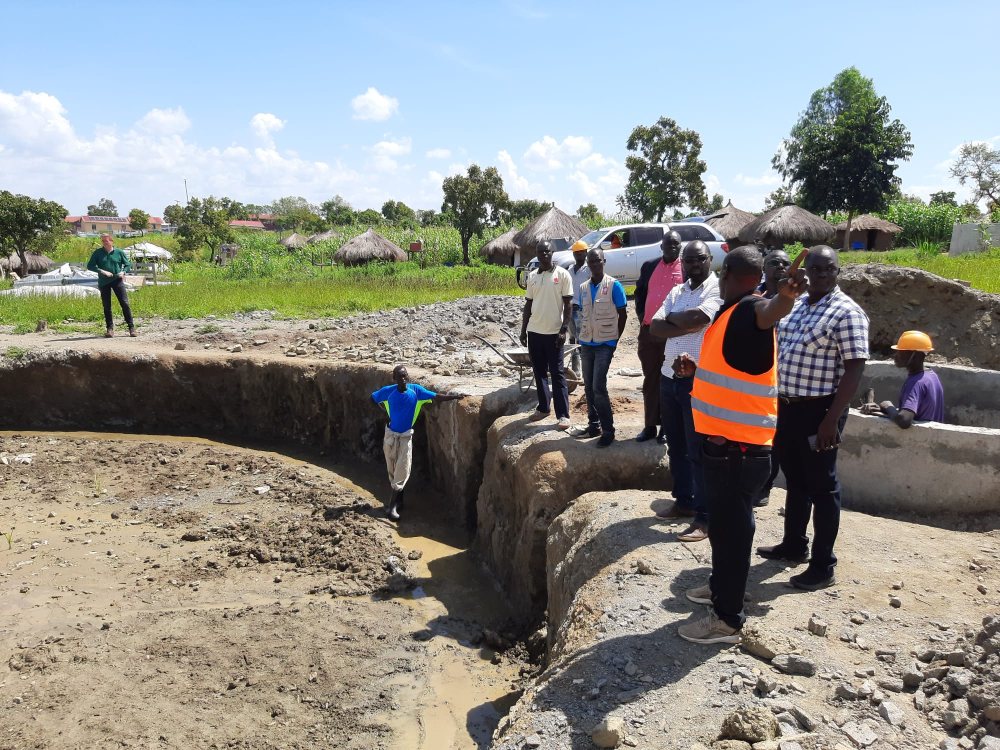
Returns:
(403, 402)
(111, 266)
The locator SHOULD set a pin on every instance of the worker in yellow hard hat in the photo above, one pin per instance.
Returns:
(579, 272)
(922, 397)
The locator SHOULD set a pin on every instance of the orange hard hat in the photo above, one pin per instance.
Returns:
(579, 246)
(913, 341)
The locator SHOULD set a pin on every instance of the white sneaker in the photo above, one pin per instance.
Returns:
(708, 630)
(537, 416)
(700, 595)
(563, 423)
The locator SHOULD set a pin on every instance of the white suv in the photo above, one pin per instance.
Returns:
(627, 246)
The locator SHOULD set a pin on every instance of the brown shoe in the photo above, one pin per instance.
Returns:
(132, 333)
(109, 333)
(693, 533)
(675, 511)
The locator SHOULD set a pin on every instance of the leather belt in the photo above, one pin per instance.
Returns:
(797, 399)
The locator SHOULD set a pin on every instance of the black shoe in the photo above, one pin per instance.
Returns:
(607, 439)
(760, 502)
(648, 433)
(813, 580)
(778, 552)
(395, 504)
(661, 439)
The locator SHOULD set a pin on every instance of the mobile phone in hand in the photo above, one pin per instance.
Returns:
(812, 440)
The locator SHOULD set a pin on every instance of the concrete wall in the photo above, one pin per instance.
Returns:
(966, 238)
(971, 395)
(927, 469)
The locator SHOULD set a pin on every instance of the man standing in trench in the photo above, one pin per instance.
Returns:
(822, 349)
(544, 325)
(603, 311)
(402, 402)
(656, 278)
(111, 266)
(734, 400)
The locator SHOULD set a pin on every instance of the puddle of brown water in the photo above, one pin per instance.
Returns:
(460, 699)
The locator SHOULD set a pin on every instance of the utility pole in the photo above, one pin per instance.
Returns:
(187, 198)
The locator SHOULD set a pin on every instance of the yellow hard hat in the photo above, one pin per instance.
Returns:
(579, 246)
(913, 341)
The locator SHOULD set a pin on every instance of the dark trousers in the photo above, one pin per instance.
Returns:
(547, 359)
(765, 491)
(596, 362)
(651, 360)
(734, 474)
(682, 445)
(811, 478)
(118, 287)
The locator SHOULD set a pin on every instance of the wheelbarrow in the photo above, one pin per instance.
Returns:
(518, 357)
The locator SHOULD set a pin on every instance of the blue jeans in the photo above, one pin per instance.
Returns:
(682, 446)
(596, 361)
(734, 475)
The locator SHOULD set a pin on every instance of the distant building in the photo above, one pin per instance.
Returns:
(108, 224)
(247, 224)
(266, 219)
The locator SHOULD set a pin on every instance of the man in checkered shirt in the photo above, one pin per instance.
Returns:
(822, 349)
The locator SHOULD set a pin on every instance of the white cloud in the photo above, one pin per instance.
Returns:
(549, 154)
(438, 153)
(385, 153)
(146, 164)
(594, 162)
(373, 105)
(264, 124)
(516, 185)
(164, 122)
(766, 179)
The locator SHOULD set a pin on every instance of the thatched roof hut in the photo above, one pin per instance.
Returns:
(36, 264)
(729, 221)
(368, 247)
(868, 233)
(501, 250)
(787, 224)
(329, 234)
(294, 241)
(553, 224)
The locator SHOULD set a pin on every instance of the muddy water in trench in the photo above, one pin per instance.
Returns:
(460, 696)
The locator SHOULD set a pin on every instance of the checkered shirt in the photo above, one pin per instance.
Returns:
(815, 340)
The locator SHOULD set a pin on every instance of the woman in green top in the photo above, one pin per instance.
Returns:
(111, 266)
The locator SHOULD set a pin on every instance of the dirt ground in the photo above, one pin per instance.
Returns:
(169, 593)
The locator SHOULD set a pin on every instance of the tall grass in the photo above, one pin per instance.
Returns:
(316, 292)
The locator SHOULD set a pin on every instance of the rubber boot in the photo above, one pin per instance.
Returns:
(394, 504)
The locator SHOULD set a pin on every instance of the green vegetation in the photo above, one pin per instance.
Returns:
(15, 352)
(982, 270)
(9, 536)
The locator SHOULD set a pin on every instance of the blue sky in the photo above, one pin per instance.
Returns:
(374, 101)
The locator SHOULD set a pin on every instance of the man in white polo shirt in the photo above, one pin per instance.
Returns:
(544, 325)
(682, 320)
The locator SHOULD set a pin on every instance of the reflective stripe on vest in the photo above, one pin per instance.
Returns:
(727, 402)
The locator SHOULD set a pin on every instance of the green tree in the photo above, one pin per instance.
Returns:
(709, 207)
(138, 220)
(943, 198)
(588, 212)
(399, 214)
(28, 224)
(431, 218)
(978, 165)
(664, 168)
(369, 217)
(103, 207)
(294, 212)
(234, 209)
(523, 211)
(337, 211)
(843, 153)
(201, 222)
(475, 201)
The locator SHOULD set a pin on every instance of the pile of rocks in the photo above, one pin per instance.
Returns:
(959, 688)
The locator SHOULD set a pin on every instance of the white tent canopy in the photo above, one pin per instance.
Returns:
(148, 250)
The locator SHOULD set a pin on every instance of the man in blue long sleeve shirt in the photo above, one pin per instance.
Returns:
(111, 266)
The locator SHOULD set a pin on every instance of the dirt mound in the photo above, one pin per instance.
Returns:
(964, 323)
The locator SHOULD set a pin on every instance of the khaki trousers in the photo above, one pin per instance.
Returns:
(398, 449)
